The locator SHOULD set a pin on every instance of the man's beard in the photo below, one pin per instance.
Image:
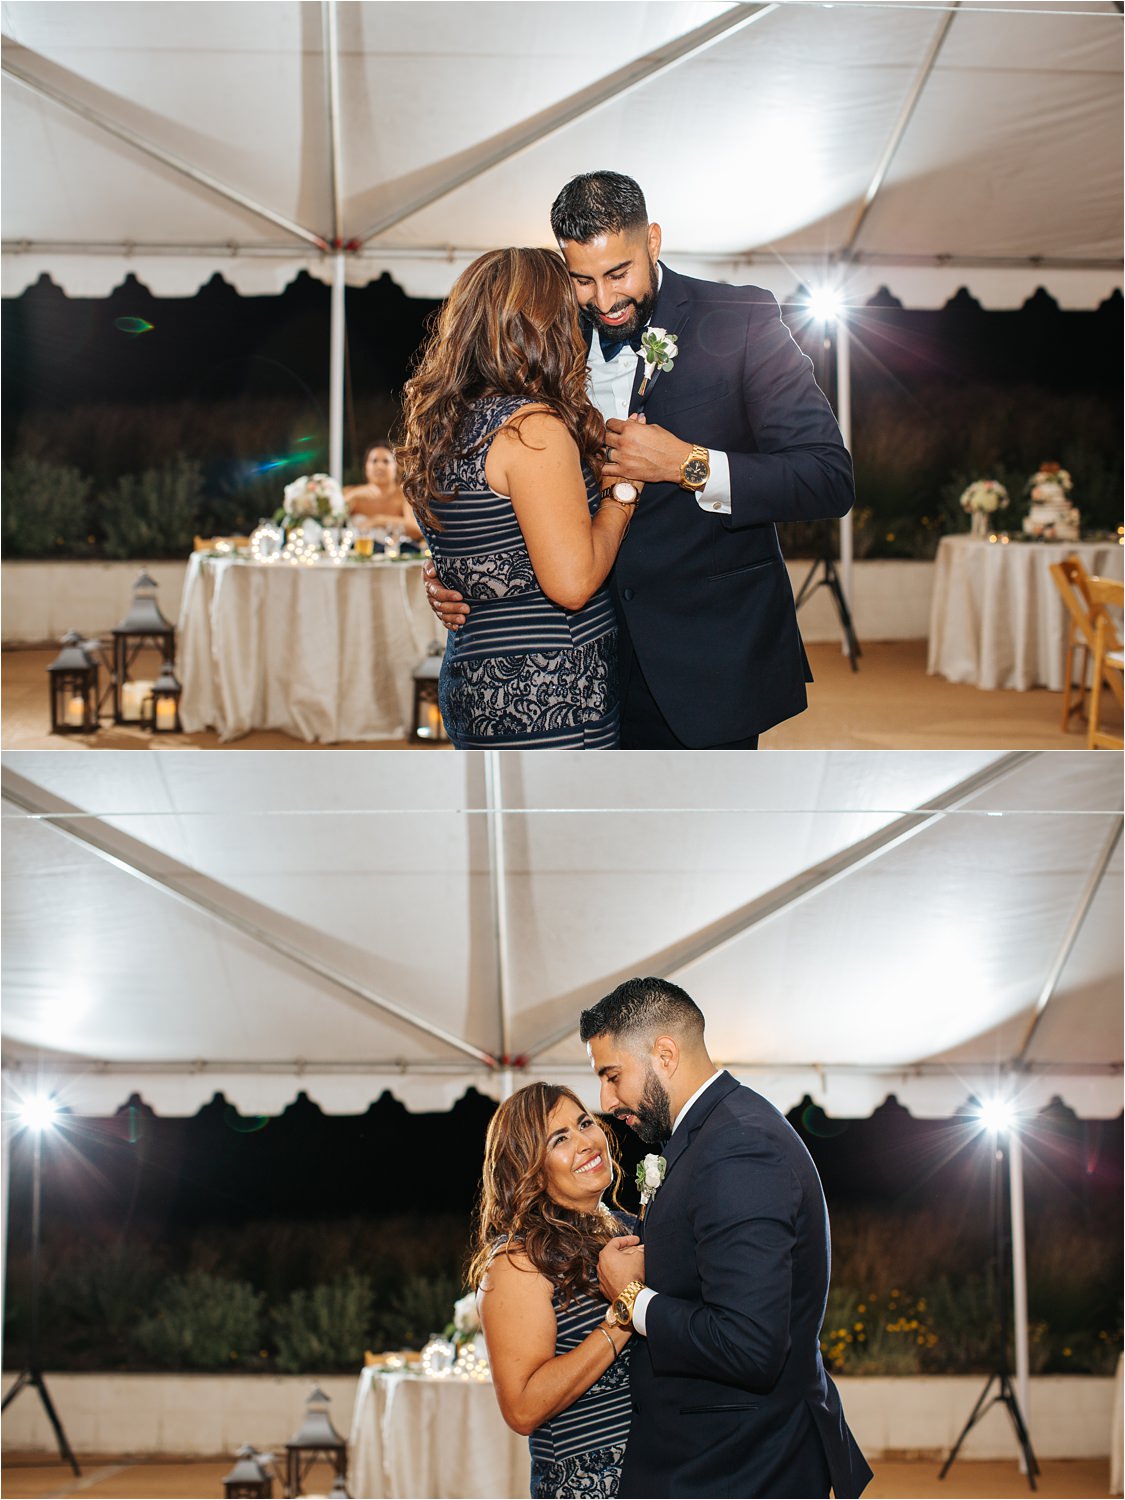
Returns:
(642, 312)
(653, 1115)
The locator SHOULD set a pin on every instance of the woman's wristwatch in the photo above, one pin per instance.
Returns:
(623, 491)
(621, 1308)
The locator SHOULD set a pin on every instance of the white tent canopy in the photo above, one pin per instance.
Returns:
(922, 146)
(931, 925)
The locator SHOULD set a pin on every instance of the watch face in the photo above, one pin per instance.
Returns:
(623, 490)
(621, 1310)
(696, 470)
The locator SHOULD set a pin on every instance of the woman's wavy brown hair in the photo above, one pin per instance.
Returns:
(515, 1211)
(509, 327)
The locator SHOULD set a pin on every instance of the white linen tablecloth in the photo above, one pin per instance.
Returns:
(997, 619)
(443, 1439)
(322, 652)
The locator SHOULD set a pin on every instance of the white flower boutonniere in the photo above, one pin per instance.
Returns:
(658, 349)
(650, 1174)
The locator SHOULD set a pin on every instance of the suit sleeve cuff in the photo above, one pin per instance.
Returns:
(714, 497)
(644, 1297)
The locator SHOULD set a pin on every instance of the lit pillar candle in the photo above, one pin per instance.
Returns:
(165, 713)
(133, 695)
(75, 713)
(433, 717)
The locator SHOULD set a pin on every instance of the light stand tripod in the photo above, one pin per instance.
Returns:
(829, 579)
(1001, 1375)
(32, 1375)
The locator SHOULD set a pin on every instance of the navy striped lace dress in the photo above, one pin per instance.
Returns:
(579, 1452)
(520, 671)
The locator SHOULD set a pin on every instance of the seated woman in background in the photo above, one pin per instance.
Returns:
(379, 501)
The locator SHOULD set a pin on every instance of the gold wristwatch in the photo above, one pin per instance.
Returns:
(695, 470)
(622, 1305)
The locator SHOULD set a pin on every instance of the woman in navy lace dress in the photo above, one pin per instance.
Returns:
(559, 1369)
(500, 462)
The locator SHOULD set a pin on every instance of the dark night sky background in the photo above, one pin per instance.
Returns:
(60, 352)
(168, 1179)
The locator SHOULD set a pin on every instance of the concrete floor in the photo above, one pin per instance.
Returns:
(32, 1477)
(889, 704)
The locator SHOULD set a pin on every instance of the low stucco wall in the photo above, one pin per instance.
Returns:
(43, 600)
(207, 1415)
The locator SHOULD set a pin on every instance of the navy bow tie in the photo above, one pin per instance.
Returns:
(611, 347)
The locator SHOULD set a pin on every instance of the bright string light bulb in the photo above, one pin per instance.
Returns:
(825, 303)
(996, 1115)
(39, 1113)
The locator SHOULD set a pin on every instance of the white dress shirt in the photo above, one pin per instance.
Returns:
(611, 388)
(645, 1297)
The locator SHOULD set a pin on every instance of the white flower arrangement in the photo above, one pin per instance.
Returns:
(313, 497)
(987, 495)
(466, 1318)
(659, 349)
(650, 1175)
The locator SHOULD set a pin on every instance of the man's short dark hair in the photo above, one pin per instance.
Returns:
(643, 1006)
(597, 203)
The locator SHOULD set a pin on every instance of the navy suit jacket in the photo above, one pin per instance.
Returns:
(730, 1396)
(705, 598)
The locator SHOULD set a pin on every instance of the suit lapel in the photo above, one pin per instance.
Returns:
(671, 313)
(682, 1136)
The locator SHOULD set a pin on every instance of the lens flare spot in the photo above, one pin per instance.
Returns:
(243, 1124)
(132, 326)
(817, 1123)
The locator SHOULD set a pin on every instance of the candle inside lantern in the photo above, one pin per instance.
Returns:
(75, 713)
(165, 713)
(133, 695)
(433, 721)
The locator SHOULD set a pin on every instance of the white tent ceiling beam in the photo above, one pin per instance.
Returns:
(337, 314)
(168, 876)
(898, 131)
(468, 165)
(1074, 927)
(15, 70)
(791, 893)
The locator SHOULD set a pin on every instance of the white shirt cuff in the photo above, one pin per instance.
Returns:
(644, 1297)
(714, 497)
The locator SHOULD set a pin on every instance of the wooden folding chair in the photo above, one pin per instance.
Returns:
(1073, 583)
(1109, 660)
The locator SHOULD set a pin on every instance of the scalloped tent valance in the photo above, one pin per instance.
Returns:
(929, 925)
(919, 147)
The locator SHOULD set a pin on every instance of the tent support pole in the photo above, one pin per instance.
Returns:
(890, 150)
(844, 417)
(1019, 1279)
(336, 371)
(1070, 936)
(468, 165)
(674, 960)
(497, 875)
(154, 870)
(166, 158)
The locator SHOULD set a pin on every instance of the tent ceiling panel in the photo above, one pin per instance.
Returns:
(310, 941)
(1014, 150)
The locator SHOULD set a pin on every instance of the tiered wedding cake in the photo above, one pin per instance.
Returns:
(1051, 517)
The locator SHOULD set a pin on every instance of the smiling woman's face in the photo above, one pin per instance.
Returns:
(577, 1165)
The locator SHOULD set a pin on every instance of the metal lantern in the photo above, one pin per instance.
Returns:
(317, 1440)
(249, 1475)
(426, 726)
(143, 628)
(73, 679)
(166, 703)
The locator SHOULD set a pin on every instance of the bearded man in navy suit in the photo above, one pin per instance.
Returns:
(730, 1396)
(731, 438)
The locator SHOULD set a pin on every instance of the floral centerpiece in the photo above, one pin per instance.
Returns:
(467, 1338)
(983, 498)
(313, 497)
(1051, 517)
